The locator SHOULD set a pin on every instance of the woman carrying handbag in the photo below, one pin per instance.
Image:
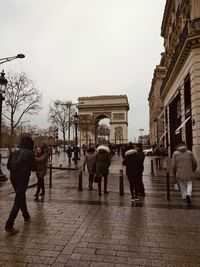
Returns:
(41, 170)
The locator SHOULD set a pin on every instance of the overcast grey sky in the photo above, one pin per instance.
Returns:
(80, 48)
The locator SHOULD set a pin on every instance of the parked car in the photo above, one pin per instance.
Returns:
(148, 152)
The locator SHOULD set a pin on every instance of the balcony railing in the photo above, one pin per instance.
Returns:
(191, 28)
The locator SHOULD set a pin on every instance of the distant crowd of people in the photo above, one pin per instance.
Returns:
(97, 159)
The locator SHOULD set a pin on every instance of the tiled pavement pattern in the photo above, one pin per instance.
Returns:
(71, 228)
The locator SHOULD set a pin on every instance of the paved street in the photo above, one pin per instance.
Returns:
(71, 228)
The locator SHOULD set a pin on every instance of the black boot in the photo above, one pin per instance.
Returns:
(99, 186)
(105, 184)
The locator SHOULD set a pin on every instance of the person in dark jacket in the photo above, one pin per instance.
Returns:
(69, 153)
(19, 179)
(132, 163)
(103, 160)
(41, 170)
(141, 156)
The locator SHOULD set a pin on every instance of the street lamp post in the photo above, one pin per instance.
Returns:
(156, 121)
(141, 130)
(3, 83)
(21, 125)
(76, 117)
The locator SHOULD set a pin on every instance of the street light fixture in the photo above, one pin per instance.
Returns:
(6, 59)
(21, 125)
(3, 84)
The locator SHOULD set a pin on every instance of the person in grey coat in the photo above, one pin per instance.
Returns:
(184, 164)
(90, 161)
(41, 171)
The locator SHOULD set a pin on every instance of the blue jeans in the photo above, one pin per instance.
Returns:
(19, 204)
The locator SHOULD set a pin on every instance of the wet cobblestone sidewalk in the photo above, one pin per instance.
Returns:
(71, 228)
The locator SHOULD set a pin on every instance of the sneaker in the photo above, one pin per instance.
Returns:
(188, 199)
(136, 198)
(11, 231)
(132, 200)
(36, 199)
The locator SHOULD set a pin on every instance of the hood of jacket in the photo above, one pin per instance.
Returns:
(181, 148)
(130, 152)
(103, 148)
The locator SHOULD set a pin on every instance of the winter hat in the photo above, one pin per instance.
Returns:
(27, 142)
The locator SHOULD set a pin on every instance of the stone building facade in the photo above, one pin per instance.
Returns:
(155, 106)
(180, 87)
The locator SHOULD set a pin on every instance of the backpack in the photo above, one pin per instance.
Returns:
(15, 161)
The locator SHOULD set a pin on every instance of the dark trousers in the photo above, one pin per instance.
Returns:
(19, 204)
(91, 178)
(134, 186)
(40, 185)
(105, 184)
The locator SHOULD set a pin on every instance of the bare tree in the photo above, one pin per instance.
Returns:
(61, 114)
(21, 98)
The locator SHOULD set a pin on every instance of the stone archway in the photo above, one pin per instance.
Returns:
(93, 109)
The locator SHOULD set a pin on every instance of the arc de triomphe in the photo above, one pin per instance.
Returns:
(92, 109)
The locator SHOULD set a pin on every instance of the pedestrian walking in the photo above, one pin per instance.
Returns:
(41, 170)
(103, 160)
(50, 153)
(184, 164)
(84, 148)
(69, 154)
(20, 164)
(133, 170)
(90, 161)
(163, 157)
(141, 157)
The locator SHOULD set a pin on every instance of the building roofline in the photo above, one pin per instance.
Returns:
(165, 16)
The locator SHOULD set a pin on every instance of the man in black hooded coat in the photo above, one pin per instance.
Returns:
(19, 175)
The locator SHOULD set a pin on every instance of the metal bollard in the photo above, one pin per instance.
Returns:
(121, 183)
(152, 169)
(168, 186)
(80, 176)
(50, 175)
